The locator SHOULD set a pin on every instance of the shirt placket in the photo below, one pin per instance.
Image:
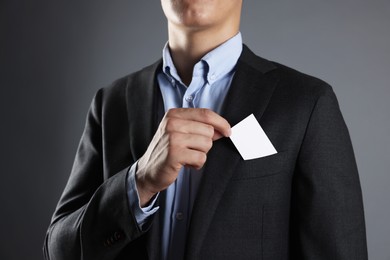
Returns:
(181, 203)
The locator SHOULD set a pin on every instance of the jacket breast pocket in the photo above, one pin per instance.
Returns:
(261, 167)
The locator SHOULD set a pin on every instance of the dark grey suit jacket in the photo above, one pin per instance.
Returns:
(303, 203)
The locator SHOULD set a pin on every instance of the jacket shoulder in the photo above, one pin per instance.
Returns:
(298, 81)
(289, 79)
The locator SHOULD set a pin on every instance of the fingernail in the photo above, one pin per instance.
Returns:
(229, 132)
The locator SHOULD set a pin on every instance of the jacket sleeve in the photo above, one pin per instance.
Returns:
(92, 219)
(327, 209)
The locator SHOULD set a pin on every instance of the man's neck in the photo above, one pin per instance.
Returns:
(187, 47)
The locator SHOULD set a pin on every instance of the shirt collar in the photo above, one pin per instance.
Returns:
(215, 64)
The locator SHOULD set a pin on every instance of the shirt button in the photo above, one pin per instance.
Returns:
(189, 98)
(179, 216)
(212, 77)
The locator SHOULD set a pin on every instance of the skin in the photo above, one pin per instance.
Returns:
(195, 27)
(185, 136)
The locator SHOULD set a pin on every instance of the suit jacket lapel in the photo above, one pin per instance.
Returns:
(142, 105)
(250, 92)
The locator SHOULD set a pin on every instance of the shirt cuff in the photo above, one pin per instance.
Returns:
(142, 215)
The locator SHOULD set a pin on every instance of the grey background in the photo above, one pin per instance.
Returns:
(54, 56)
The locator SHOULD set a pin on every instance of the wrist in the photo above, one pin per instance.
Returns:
(144, 192)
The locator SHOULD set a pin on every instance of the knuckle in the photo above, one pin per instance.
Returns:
(173, 138)
(169, 124)
(210, 131)
(171, 112)
(209, 143)
(201, 159)
(206, 113)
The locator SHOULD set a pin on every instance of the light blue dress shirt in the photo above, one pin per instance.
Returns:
(211, 80)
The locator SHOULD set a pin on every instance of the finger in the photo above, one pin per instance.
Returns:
(188, 127)
(202, 115)
(190, 141)
(191, 158)
(217, 135)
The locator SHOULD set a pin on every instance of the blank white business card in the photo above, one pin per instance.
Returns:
(250, 139)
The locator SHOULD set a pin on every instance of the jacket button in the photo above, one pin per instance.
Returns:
(107, 243)
(118, 236)
(112, 240)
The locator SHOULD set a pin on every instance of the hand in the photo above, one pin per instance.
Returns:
(183, 138)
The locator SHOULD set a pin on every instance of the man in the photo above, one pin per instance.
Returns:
(186, 193)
